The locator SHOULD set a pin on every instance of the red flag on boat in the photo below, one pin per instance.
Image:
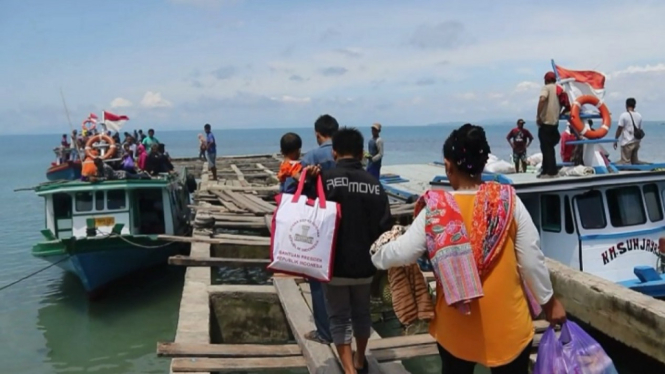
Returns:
(92, 117)
(114, 122)
(582, 82)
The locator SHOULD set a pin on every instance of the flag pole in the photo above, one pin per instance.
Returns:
(71, 127)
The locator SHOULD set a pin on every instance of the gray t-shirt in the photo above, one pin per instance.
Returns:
(550, 113)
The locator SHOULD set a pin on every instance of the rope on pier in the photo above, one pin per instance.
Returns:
(33, 274)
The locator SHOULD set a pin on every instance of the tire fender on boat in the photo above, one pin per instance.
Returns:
(97, 138)
(583, 128)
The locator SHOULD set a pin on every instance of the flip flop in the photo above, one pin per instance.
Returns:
(315, 337)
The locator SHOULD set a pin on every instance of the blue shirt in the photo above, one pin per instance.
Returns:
(211, 143)
(320, 156)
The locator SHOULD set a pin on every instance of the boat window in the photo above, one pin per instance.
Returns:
(115, 199)
(99, 200)
(626, 207)
(568, 216)
(83, 201)
(550, 213)
(62, 205)
(652, 200)
(591, 210)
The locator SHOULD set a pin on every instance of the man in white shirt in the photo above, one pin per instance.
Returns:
(629, 122)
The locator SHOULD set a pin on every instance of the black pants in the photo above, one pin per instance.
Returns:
(548, 135)
(453, 365)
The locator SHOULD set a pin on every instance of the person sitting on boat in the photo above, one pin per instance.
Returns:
(157, 162)
(127, 161)
(142, 156)
(485, 252)
(519, 139)
(149, 140)
(567, 149)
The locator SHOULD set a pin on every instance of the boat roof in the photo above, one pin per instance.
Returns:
(78, 185)
(417, 178)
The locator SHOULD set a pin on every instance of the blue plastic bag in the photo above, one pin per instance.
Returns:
(575, 352)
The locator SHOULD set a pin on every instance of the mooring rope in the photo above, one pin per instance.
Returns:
(33, 274)
(132, 243)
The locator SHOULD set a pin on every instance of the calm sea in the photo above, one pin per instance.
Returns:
(47, 325)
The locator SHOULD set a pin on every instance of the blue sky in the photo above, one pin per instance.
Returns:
(176, 64)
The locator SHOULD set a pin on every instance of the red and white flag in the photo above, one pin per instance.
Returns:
(582, 82)
(113, 122)
(92, 117)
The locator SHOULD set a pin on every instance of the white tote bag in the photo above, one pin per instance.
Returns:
(303, 235)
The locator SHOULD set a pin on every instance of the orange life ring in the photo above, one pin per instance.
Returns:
(90, 150)
(583, 128)
(88, 128)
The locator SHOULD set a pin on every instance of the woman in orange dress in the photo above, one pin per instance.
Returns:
(485, 252)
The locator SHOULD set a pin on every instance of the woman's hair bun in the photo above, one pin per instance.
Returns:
(467, 148)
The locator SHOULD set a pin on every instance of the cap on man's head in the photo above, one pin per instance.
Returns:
(377, 126)
(550, 76)
(520, 121)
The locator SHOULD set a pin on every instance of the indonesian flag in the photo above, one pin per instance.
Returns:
(582, 82)
(114, 122)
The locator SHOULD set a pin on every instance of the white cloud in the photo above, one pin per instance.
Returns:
(658, 68)
(291, 99)
(120, 102)
(154, 100)
(526, 86)
(466, 96)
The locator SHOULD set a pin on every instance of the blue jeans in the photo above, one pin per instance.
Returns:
(319, 310)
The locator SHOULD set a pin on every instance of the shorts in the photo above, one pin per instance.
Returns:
(519, 156)
(211, 159)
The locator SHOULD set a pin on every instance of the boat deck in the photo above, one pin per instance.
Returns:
(407, 179)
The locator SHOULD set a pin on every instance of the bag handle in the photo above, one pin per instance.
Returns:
(633, 120)
(321, 195)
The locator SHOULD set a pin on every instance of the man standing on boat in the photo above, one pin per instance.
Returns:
(519, 139)
(629, 134)
(325, 127)
(149, 140)
(211, 150)
(375, 148)
(547, 119)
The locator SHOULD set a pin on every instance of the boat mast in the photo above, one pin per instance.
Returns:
(71, 127)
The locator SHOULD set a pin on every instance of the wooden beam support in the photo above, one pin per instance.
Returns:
(198, 365)
(227, 350)
(216, 261)
(319, 358)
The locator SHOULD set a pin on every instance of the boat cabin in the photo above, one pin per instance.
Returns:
(604, 224)
(143, 207)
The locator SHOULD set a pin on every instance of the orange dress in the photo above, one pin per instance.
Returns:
(500, 325)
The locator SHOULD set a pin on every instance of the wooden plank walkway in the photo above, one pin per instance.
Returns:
(236, 212)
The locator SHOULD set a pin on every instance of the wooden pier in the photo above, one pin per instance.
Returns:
(241, 327)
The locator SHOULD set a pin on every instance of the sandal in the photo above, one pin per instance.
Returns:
(315, 337)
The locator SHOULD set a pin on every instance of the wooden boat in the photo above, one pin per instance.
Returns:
(605, 223)
(63, 170)
(102, 231)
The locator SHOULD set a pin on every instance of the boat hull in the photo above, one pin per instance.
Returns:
(99, 262)
(70, 170)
